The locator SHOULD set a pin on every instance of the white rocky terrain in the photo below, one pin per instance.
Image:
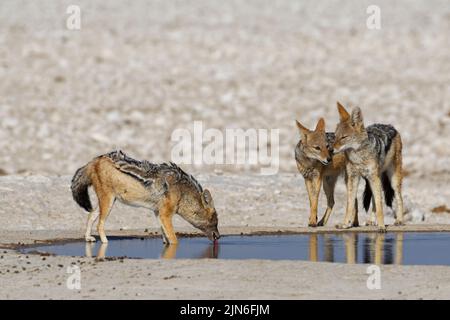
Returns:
(136, 71)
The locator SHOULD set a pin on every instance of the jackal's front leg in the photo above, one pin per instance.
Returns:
(372, 220)
(329, 184)
(352, 189)
(313, 187)
(165, 214)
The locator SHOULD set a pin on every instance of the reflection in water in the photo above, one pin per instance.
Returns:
(313, 248)
(328, 248)
(210, 252)
(168, 251)
(376, 248)
(101, 253)
(399, 249)
(350, 247)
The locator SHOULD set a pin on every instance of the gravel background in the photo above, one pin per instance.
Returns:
(243, 201)
(36, 277)
(138, 70)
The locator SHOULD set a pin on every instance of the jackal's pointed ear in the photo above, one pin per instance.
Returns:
(207, 199)
(303, 130)
(357, 117)
(343, 114)
(320, 127)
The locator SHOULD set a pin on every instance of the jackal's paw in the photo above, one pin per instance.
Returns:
(312, 224)
(382, 229)
(399, 223)
(320, 223)
(370, 223)
(343, 226)
(90, 239)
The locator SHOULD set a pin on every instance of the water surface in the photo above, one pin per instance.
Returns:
(420, 248)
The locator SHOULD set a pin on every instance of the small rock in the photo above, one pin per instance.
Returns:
(59, 79)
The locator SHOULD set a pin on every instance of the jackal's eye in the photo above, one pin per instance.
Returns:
(344, 137)
(317, 148)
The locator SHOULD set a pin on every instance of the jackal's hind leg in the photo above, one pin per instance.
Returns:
(329, 183)
(93, 215)
(105, 201)
(396, 182)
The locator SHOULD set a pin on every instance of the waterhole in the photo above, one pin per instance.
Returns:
(430, 248)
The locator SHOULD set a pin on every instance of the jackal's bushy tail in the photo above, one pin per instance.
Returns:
(387, 188)
(80, 184)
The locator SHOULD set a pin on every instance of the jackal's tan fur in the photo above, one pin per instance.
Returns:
(316, 162)
(165, 189)
(370, 152)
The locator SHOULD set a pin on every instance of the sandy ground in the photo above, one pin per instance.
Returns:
(45, 203)
(35, 277)
(137, 71)
(44, 210)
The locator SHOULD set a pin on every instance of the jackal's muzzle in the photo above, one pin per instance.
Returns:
(213, 235)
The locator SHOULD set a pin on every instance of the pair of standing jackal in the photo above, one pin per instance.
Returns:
(373, 153)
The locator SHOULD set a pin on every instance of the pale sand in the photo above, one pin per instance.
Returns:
(137, 71)
(45, 211)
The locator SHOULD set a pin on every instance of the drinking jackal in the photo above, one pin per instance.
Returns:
(164, 188)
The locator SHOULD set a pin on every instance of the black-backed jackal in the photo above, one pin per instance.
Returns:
(317, 163)
(374, 153)
(164, 188)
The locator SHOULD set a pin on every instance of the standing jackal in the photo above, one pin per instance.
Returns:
(374, 153)
(316, 162)
(164, 188)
